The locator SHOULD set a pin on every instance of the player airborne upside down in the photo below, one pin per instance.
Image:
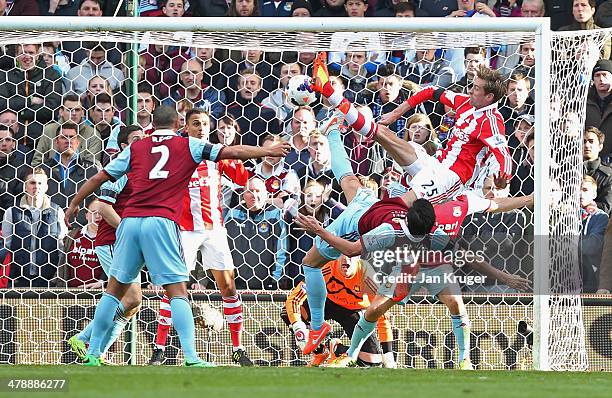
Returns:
(160, 168)
(479, 128)
(202, 230)
(347, 281)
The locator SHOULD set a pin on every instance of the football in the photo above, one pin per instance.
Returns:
(297, 93)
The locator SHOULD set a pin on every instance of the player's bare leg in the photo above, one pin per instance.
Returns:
(232, 310)
(461, 325)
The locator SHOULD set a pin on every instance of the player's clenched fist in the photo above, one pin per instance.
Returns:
(279, 149)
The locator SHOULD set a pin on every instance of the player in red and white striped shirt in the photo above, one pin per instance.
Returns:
(478, 133)
(202, 230)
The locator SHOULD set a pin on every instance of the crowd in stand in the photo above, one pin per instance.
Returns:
(63, 104)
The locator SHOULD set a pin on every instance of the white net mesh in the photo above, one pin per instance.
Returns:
(50, 283)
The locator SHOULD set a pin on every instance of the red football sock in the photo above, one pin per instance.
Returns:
(232, 309)
(164, 322)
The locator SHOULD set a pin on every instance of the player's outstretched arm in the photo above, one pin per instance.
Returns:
(506, 204)
(87, 189)
(513, 281)
(312, 225)
(246, 152)
(109, 214)
(411, 103)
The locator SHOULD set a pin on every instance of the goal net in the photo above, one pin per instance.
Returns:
(51, 279)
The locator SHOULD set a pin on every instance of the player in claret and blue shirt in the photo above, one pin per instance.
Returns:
(159, 169)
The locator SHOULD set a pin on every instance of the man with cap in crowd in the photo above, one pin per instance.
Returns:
(599, 105)
(301, 8)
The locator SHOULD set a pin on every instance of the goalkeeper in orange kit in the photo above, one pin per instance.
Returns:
(348, 285)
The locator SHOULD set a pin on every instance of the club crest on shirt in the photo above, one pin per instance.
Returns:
(263, 227)
(456, 211)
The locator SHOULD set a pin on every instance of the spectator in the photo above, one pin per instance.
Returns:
(208, 8)
(145, 106)
(516, 103)
(441, 8)
(77, 78)
(227, 133)
(331, 8)
(275, 8)
(603, 15)
(599, 104)
(395, 8)
(121, 98)
(447, 121)
(33, 230)
(249, 60)
(281, 182)
(389, 95)
(66, 170)
(301, 9)
(527, 62)
(523, 128)
(594, 224)
(80, 266)
(593, 167)
(212, 75)
(96, 85)
(54, 58)
(257, 238)
(173, 8)
(354, 72)
(474, 58)
(9, 119)
(149, 8)
(389, 176)
(472, 8)
(427, 70)
(19, 8)
(315, 202)
(101, 117)
(522, 181)
(254, 119)
(12, 165)
(70, 111)
(319, 167)
(243, 8)
(419, 129)
(583, 11)
(533, 8)
(302, 124)
(33, 90)
(278, 98)
(162, 66)
(67, 9)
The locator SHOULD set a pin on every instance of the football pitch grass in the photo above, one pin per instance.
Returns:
(233, 382)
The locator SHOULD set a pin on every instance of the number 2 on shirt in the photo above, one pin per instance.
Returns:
(158, 172)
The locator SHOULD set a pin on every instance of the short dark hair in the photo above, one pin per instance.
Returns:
(164, 117)
(124, 133)
(601, 137)
(81, 2)
(145, 87)
(475, 50)
(71, 97)
(4, 127)
(195, 111)
(66, 126)
(403, 6)
(387, 70)
(269, 137)
(103, 98)
(421, 217)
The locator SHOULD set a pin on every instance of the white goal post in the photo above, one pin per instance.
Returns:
(392, 33)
